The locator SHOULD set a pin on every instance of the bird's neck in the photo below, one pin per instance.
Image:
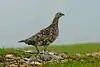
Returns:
(55, 20)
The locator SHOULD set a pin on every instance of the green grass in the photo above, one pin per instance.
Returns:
(76, 48)
(71, 49)
(74, 64)
(79, 48)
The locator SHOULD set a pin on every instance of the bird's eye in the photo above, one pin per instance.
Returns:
(60, 14)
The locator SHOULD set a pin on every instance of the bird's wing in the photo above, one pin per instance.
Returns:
(41, 35)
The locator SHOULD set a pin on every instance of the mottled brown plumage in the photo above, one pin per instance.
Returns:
(45, 36)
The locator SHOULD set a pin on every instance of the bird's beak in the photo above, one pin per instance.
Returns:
(63, 14)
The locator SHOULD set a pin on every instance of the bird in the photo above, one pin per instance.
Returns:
(45, 36)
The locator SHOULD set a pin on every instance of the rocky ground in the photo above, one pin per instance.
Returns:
(10, 60)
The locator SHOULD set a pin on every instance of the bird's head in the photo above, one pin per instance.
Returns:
(59, 14)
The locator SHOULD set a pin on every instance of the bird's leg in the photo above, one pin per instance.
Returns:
(45, 47)
(38, 52)
(37, 49)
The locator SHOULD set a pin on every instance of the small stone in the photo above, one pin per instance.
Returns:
(27, 59)
(35, 63)
(9, 56)
(13, 65)
(30, 51)
(82, 60)
(46, 57)
(64, 55)
(51, 53)
(78, 54)
(94, 54)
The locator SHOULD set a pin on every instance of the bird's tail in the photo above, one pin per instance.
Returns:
(21, 41)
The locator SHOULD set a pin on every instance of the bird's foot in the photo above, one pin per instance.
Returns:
(44, 52)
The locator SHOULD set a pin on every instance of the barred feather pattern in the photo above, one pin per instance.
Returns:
(47, 35)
